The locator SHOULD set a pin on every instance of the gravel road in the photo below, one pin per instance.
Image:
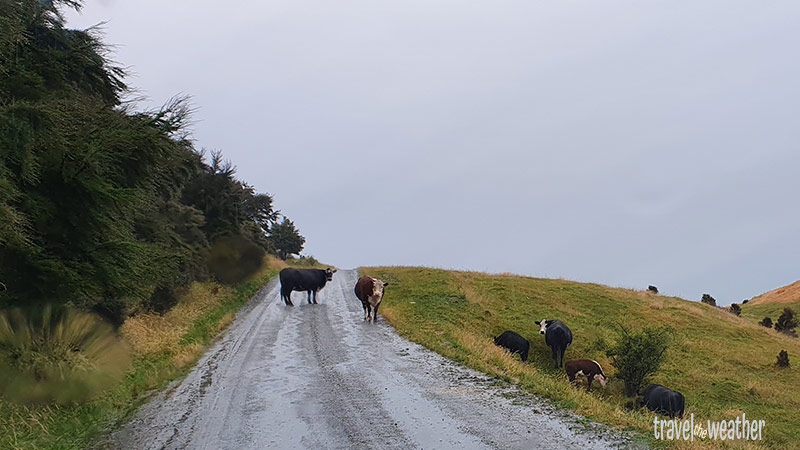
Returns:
(317, 376)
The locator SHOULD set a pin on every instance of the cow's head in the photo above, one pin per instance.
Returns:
(542, 326)
(377, 287)
(329, 273)
(602, 379)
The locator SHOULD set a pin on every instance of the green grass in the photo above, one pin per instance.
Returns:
(723, 364)
(76, 426)
(772, 310)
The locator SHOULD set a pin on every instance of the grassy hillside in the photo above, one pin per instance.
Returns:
(723, 364)
(164, 348)
(771, 304)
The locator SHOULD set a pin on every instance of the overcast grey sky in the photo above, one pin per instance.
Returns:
(621, 142)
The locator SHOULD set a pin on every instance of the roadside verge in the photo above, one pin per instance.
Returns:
(164, 348)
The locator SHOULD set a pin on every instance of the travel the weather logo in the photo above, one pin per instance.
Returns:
(723, 430)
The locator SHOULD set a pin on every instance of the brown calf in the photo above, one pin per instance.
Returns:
(587, 368)
(370, 291)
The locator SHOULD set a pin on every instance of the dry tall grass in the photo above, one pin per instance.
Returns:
(154, 333)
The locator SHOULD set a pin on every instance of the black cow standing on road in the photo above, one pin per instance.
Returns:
(663, 400)
(514, 343)
(309, 280)
(557, 336)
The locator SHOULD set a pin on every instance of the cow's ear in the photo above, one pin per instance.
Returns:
(537, 323)
(385, 284)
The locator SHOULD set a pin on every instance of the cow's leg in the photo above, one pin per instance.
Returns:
(309, 296)
(315, 297)
(286, 294)
(366, 312)
(589, 384)
(375, 313)
(562, 356)
(555, 355)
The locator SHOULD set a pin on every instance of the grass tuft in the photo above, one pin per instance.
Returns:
(57, 355)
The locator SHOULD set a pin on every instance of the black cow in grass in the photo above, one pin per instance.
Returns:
(514, 343)
(663, 400)
(309, 280)
(557, 336)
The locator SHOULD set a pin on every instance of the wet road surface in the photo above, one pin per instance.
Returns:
(318, 377)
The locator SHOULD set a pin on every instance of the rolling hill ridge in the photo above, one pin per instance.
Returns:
(771, 304)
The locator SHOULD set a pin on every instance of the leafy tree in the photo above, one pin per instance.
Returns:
(285, 238)
(766, 322)
(228, 204)
(787, 322)
(101, 206)
(637, 355)
(735, 309)
(708, 300)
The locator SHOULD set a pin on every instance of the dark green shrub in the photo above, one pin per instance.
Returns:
(232, 259)
(787, 322)
(162, 300)
(766, 322)
(735, 309)
(783, 359)
(709, 300)
(303, 261)
(636, 355)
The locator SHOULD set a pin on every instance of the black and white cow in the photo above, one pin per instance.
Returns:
(309, 280)
(588, 368)
(663, 400)
(514, 343)
(370, 291)
(557, 336)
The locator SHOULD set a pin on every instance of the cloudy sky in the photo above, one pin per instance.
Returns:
(621, 142)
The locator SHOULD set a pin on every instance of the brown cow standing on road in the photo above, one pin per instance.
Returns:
(370, 291)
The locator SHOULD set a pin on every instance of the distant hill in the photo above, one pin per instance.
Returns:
(770, 304)
(786, 294)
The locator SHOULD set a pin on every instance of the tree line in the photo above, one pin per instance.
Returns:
(102, 206)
